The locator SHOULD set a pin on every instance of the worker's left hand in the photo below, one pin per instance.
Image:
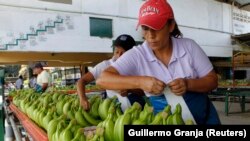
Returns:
(178, 86)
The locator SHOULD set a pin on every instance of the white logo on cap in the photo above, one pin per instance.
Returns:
(123, 38)
(149, 10)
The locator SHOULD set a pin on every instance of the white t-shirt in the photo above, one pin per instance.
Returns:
(43, 77)
(96, 72)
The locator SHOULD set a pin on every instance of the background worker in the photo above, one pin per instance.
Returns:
(122, 44)
(42, 81)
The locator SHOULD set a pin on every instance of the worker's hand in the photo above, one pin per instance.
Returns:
(152, 85)
(85, 104)
(178, 86)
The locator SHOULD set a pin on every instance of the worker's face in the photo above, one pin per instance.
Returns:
(158, 39)
(36, 71)
(118, 52)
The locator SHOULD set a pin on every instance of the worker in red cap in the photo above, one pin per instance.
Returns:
(165, 59)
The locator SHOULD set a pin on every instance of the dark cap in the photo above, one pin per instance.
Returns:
(125, 41)
(38, 65)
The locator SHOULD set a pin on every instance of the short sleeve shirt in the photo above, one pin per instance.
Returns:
(43, 77)
(97, 70)
(188, 60)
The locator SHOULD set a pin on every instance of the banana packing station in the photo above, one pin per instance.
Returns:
(69, 37)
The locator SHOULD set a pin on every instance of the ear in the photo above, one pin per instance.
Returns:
(172, 26)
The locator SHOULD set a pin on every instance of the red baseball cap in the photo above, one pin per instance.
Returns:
(155, 14)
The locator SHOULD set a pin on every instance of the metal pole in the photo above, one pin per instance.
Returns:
(15, 129)
(10, 117)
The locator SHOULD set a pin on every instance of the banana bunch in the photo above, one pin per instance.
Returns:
(104, 107)
(91, 117)
(80, 118)
(79, 135)
(124, 119)
(176, 117)
(161, 117)
(95, 102)
(145, 116)
(66, 134)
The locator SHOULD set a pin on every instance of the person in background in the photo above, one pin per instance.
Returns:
(32, 81)
(42, 81)
(122, 44)
(165, 59)
(19, 83)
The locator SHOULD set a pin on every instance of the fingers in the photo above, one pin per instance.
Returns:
(160, 83)
(152, 85)
(85, 105)
(178, 86)
(158, 89)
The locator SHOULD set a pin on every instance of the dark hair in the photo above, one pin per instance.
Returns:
(125, 41)
(176, 32)
(21, 77)
(38, 65)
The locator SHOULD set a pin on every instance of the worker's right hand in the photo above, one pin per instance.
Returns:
(85, 104)
(151, 85)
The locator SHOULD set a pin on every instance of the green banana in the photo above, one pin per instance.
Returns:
(66, 134)
(167, 121)
(61, 125)
(94, 108)
(138, 122)
(103, 108)
(176, 117)
(55, 96)
(119, 126)
(67, 107)
(59, 106)
(79, 135)
(80, 118)
(75, 128)
(90, 119)
(135, 106)
(167, 109)
(118, 110)
(93, 98)
(145, 114)
(99, 132)
(160, 118)
(108, 125)
(47, 119)
(52, 127)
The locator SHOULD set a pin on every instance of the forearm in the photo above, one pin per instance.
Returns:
(202, 85)
(113, 81)
(81, 83)
(81, 89)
